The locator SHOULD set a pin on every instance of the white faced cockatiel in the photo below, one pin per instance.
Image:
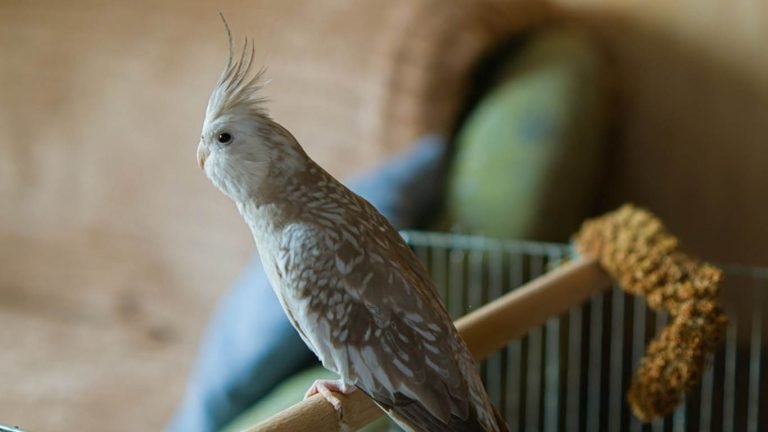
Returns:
(355, 292)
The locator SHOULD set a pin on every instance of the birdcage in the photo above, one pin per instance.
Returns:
(572, 373)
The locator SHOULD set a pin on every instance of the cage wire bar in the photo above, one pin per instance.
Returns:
(572, 373)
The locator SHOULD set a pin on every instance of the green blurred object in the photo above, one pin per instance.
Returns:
(287, 394)
(529, 155)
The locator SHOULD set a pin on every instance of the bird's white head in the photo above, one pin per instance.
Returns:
(240, 143)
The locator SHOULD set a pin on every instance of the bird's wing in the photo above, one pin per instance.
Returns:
(400, 344)
(400, 347)
(374, 317)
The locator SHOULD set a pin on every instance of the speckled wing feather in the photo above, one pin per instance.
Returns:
(426, 379)
(373, 316)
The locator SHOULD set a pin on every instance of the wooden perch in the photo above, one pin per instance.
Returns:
(485, 331)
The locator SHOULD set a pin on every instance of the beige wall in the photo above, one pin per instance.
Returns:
(692, 80)
(113, 246)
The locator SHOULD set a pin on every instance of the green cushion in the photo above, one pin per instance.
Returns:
(530, 153)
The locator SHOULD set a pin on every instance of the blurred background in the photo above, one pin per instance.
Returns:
(114, 247)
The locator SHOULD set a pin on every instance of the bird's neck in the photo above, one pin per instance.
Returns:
(285, 198)
(262, 219)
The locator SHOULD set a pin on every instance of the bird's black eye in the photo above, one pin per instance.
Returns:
(224, 138)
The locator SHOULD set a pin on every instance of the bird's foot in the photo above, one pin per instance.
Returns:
(326, 388)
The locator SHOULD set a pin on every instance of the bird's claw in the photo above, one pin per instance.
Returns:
(326, 388)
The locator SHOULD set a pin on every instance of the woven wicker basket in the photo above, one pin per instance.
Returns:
(431, 77)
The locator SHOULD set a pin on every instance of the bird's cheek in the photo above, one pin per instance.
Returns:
(217, 172)
(212, 168)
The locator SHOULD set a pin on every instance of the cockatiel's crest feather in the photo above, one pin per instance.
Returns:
(237, 92)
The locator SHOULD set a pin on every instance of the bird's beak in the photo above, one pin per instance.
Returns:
(202, 155)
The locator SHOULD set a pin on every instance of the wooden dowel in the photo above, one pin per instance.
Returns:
(511, 316)
(485, 330)
(316, 414)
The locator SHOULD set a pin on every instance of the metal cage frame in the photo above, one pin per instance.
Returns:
(572, 372)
